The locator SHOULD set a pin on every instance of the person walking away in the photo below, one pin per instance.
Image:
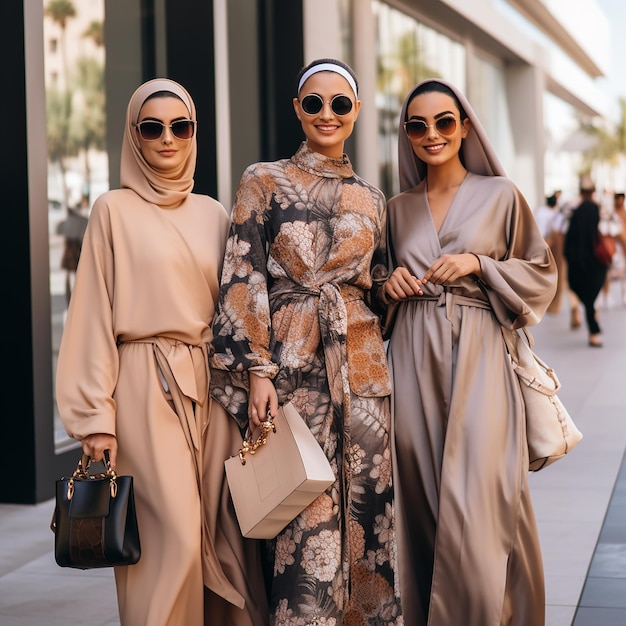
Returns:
(133, 376)
(469, 258)
(585, 273)
(296, 321)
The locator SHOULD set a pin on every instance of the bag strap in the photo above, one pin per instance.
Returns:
(513, 337)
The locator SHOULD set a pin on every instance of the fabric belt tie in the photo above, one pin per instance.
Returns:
(187, 365)
(449, 299)
(184, 369)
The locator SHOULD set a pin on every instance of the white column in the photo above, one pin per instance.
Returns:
(222, 103)
(364, 64)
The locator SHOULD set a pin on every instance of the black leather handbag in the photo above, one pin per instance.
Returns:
(94, 521)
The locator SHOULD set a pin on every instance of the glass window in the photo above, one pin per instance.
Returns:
(77, 159)
(565, 143)
(488, 97)
(408, 51)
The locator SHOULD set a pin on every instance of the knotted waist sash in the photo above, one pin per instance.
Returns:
(333, 323)
(449, 299)
(183, 371)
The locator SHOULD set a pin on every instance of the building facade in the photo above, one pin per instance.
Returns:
(530, 71)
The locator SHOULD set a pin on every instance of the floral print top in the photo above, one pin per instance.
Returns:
(306, 250)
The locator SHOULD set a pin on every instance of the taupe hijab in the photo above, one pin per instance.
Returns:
(164, 190)
(477, 153)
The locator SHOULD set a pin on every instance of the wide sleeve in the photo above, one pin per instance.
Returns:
(242, 324)
(520, 286)
(88, 364)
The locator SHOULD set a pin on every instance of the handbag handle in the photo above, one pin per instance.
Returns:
(84, 463)
(82, 473)
(251, 445)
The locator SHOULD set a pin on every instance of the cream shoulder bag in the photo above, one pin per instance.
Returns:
(276, 474)
(550, 430)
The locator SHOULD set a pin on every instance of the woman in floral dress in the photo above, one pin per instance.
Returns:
(295, 322)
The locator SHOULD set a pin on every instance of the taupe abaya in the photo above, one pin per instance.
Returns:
(468, 546)
(133, 363)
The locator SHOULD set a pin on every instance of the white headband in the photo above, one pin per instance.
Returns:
(328, 67)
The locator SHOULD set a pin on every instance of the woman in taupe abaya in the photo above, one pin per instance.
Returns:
(133, 375)
(468, 257)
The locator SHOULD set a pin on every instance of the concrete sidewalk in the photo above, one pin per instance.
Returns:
(579, 502)
(574, 498)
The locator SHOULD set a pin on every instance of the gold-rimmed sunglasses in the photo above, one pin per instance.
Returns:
(151, 130)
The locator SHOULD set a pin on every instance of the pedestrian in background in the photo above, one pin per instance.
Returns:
(566, 209)
(619, 260)
(468, 258)
(585, 272)
(610, 226)
(620, 211)
(73, 231)
(551, 222)
(132, 374)
(296, 322)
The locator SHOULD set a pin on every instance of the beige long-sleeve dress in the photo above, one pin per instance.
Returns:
(468, 544)
(152, 304)
(133, 362)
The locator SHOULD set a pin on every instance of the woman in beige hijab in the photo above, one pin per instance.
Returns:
(132, 374)
(468, 257)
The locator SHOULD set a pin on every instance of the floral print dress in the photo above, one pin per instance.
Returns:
(306, 248)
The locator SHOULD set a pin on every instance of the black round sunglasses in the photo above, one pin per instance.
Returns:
(313, 103)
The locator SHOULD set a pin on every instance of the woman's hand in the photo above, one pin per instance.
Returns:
(262, 396)
(400, 285)
(450, 267)
(95, 445)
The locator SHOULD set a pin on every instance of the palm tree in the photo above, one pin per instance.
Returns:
(89, 121)
(621, 127)
(60, 11)
(95, 31)
(604, 149)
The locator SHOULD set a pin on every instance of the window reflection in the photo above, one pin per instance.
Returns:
(408, 51)
(77, 160)
(489, 101)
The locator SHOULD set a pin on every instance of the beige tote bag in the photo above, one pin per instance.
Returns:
(276, 476)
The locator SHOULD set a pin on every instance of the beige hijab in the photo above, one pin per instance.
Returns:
(477, 153)
(164, 190)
